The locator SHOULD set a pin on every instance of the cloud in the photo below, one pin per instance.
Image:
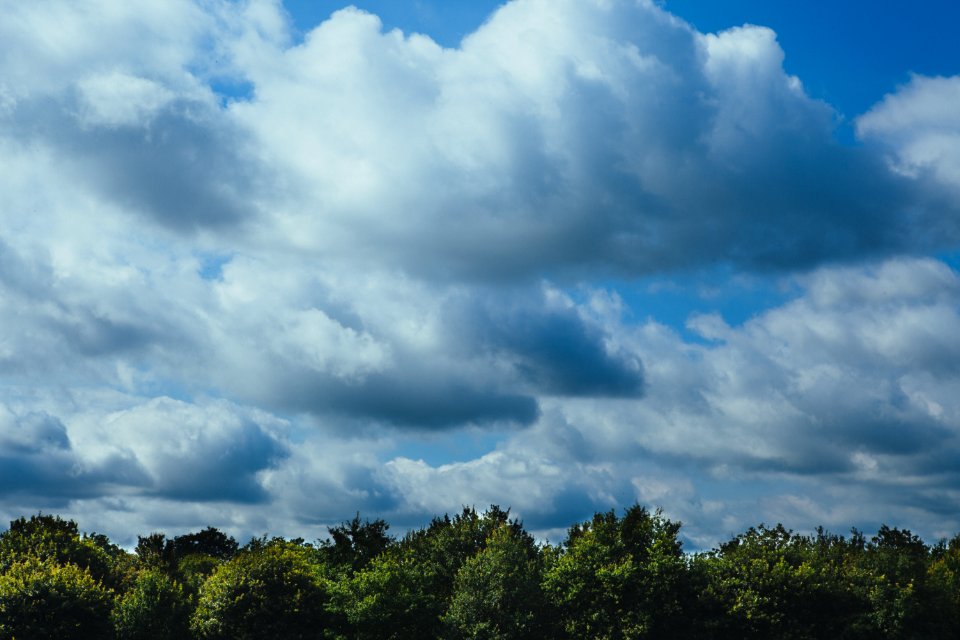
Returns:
(837, 407)
(918, 125)
(215, 299)
(198, 452)
(38, 462)
(843, 397)
(564, 136)
(555, 347)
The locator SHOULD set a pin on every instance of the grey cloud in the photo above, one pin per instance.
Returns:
(184, 167)
(198, 452)
(52, 319)
(97, 336)
(33, 433)
(494, 354)
(557, 352)
(223, 470)
(37, 460)
(22, 276)
(408, 397)
(404, 400)
(186, 172)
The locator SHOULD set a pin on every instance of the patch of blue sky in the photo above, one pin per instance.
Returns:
(449, 447)
(211, 265)
(674, 299)
(849, 54)
(950, 258)
(230, 90)
(147, 384)
(447, 22)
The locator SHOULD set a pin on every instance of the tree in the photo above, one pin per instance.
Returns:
(40, 599)
(943, 580)
(154, 608)
(496, 593)
(47, 537)
(209, 542)
(392, 598)
(405, 591)
(900, 596)
(620, 578)
(354, 544)
(271, 591)
(770, 582)
(156, 551)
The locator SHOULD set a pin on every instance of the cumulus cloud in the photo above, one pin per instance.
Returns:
(215, 297)
(920, 126)
(39, 464)
(837, 407)
(563, 135)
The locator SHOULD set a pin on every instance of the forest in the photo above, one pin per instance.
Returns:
(478, 575)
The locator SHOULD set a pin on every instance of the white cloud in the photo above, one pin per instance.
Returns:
(921, 126)
(840, 387)
(384, 233)
(116, 99)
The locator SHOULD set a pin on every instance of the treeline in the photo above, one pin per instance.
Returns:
(477, 575)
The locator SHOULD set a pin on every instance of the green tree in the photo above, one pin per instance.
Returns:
(620, 578)
(188, 559)
(154, 608)
(47, 537)
(902, 600)
(943, 580)
(392, 598)
(771, 582)
(274, 590)
(496, 593)
(40, 599)
(405, 591)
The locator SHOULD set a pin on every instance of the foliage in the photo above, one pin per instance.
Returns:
(270, 591)
(904, 603)
(770, 582)
(40, 599)
(405, 591)
(209, 542)
(620, 578)
(154, 608)
(390, 599)
(354, 544)
(47, 537)
(496, 594)
(479, 576)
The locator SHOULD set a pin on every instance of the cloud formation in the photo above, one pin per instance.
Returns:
(238, 269)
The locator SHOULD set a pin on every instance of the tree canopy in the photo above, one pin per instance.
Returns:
(480, 576)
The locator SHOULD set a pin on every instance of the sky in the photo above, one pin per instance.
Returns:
(265, 265)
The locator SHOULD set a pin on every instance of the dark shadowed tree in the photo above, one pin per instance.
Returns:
(209, 542)
(355, 543)
(155, 550)
(904, 602)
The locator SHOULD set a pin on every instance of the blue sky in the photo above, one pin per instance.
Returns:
(264, 265)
